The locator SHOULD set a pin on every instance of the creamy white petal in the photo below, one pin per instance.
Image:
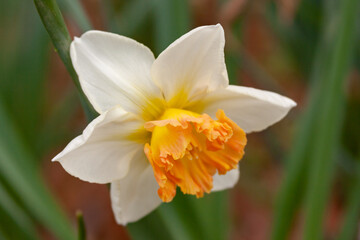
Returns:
(192, 65)
(251, 109)
(114, 70)
(135, 196)
(103, 152)
(229, 180)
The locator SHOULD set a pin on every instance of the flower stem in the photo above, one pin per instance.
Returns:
(55, 26)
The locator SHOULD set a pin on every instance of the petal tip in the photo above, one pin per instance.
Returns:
(289, 102)
(218, 25)
(119, 218)
(292, 103)
(58, 157)
(76, 40)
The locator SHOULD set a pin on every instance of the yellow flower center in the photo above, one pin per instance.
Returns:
(187, 149)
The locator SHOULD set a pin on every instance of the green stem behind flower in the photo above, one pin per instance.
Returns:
(60, 37)
(81, 226)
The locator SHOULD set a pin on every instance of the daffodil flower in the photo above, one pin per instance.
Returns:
(164, 123)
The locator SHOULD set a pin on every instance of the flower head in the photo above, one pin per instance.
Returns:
(164, 123)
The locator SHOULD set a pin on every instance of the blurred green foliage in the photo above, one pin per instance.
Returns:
(311, 163)
(25, 198)
(324, 42)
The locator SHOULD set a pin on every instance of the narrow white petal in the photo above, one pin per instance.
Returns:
(135, 196)
(103, 153)
(114, 70)
(251, 109)
(229, 180)
(194, 64)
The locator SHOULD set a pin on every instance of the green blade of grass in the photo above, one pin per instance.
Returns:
(56, 28)
(352, 214)
(81, 226)
(24, 223)
(330, 116)
(25, 48)
(214, 219)
(9, 228)
(175, 221)
(17, 169)
(150, 227)
(294, 183)
(2, 234)
(24, 60)
(305, 146)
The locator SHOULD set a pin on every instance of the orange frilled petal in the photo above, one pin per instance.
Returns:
(187, 149)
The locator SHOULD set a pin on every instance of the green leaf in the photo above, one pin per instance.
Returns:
(352, 213)
(213, 215)
(81, 226)
(173, 220)
(330, 117)
(318, 137)
(17, 169)
(21, 223)
(25, 47)
(150, 227)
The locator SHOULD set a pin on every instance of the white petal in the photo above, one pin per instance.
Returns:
(103, 152)
(114, 70)
(251, 109)
(135, 196)
(192, 65)
(229, 180)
